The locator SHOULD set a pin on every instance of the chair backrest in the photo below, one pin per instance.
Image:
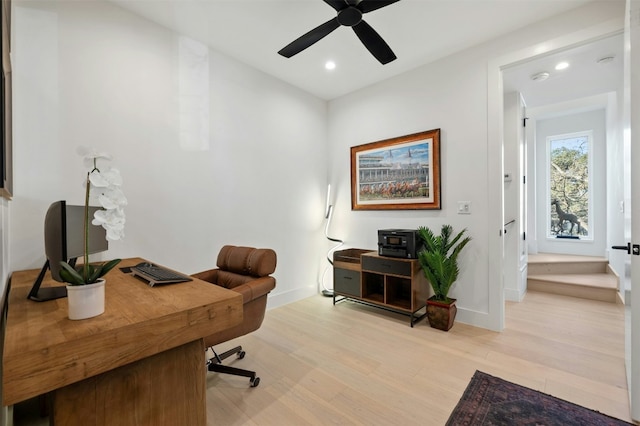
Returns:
(238, 265)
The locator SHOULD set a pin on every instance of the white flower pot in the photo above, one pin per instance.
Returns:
(86, 301)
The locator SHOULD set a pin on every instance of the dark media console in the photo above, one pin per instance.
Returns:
(394, 284)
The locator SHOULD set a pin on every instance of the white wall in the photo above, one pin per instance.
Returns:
(451, 94)
(5, 269)
(594, 121)
(92, 74)
(4, 278)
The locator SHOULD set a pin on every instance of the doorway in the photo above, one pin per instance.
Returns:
(611, 101)
(582, 99)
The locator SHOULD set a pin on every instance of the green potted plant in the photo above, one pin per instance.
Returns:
(85, 282)
(439, 261)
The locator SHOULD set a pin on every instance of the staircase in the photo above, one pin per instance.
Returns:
(587, 277)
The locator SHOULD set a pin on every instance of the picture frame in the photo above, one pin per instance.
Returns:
(6, 144)
(401, 173)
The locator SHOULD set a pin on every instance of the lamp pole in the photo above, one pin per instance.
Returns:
(328, 214)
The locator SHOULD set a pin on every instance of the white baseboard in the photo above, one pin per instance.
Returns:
(284, 298)
(513, 295)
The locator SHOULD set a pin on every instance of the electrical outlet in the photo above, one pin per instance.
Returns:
(464, 207)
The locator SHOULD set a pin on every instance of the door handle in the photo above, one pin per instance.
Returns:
(626, 248)
(635, 249)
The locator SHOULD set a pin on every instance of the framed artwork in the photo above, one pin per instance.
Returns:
(6, 172)
(402, 173)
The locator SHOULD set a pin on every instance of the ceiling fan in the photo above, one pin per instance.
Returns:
(349, 15)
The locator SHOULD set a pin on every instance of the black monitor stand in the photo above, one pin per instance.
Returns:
(48, 293)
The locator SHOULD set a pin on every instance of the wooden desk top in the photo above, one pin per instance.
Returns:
(44, 350)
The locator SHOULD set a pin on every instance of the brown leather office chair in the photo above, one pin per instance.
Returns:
(246, 270)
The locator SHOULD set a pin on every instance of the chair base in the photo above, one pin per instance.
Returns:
(215, 365)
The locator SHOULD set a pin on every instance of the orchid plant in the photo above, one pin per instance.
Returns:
(104, 187)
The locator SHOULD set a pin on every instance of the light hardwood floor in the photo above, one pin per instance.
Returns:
(351, 364)
(355, 365)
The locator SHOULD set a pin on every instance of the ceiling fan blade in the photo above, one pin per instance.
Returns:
(309, 38)
(374, 43)
(338, 5)
(366, 6)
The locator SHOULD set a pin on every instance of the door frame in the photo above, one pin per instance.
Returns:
(495, 145)
(632, 22)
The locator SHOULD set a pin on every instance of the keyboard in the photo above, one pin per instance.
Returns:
(155, 275)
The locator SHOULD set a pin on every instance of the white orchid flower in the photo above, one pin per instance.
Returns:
(105, 189)
(109, 177)
(112, 221)
(90, 156)
(98, 180)
(112, 176)
(112, 198)
(114, 235)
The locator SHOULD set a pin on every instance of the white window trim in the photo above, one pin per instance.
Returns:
(547, 179)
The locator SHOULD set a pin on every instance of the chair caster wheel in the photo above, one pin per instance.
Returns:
(241, 354)
(255, 382)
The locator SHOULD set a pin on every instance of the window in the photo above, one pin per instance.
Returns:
(569, 180)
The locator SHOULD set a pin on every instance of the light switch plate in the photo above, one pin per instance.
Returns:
(464, 207)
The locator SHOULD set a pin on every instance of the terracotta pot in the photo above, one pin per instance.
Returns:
(86, 301)
(440, 314)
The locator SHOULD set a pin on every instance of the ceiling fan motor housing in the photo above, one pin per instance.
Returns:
(349, 16)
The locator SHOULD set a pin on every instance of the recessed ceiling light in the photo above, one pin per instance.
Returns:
(562, 66)
(541, 76)
(606, 59)
(330, 65)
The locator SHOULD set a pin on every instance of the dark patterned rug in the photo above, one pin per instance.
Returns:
(492, 401)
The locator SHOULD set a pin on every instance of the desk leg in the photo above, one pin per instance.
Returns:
(165, 389)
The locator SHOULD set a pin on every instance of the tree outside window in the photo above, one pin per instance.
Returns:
(569, 185)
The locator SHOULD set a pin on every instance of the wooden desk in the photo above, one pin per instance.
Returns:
(142, 362)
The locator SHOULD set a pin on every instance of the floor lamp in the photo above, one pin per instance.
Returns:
(327, 215)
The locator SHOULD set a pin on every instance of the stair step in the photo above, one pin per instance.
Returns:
(598, 286)
(601, 280)
(588, 277)
(543, 263)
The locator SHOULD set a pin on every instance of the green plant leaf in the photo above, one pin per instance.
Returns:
(94, 272)
(70, 275)
(109, 266)
(439, 258)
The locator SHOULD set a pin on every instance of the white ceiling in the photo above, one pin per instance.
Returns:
(418, 31)
(584, 78)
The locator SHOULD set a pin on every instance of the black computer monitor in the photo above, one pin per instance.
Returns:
(64, 241)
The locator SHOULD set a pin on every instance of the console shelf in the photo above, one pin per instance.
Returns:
(390, 283)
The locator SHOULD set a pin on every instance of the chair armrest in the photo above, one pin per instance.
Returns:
(255, 288)
(210, 276)
(250, 290)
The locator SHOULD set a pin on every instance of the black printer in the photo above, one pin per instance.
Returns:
(404, 243)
